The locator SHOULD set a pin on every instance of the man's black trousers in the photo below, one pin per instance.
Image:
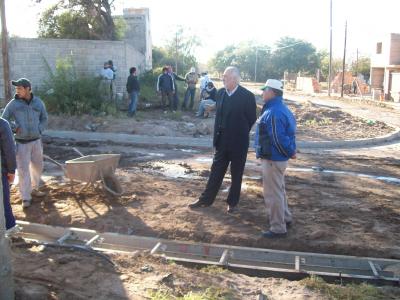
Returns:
(220, 164)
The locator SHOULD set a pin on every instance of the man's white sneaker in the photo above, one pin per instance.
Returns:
(37, 193)
(26, 203)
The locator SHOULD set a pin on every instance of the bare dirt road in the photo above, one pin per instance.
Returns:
(338, 205)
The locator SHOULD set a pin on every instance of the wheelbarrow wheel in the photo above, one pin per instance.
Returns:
(112, 185)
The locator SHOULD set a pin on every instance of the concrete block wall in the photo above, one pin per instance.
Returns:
(32, 58)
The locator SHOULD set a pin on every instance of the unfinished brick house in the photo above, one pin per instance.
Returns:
(385, 67)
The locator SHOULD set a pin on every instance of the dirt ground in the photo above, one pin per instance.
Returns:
(334, 213)
(55, 273)
(339, 207)
(315, 122)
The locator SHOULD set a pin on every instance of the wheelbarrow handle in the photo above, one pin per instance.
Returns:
(77, 151)
(54, 161)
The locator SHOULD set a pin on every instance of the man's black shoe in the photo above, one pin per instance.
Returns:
(289, 224)
(273, 235)
(198, 203)
(231, 209)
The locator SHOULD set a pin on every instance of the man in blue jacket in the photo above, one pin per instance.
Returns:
(28, 119)
(275, 144)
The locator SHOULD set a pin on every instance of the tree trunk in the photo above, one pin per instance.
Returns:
(4, 51)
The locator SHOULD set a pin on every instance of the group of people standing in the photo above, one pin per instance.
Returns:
(25, 116)
(275, 144)
(168, 90)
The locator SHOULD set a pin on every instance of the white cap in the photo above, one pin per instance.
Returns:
(192, 70)
(273, 84)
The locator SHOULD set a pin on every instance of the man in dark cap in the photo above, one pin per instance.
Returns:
(28, 119)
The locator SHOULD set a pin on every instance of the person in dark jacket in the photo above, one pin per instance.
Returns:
(166, 86)
(275, 144)
(8, 166)
(235, 115)
(133, 89)
(208, 103)
(175, 78)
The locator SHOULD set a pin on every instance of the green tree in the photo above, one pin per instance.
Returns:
(294, 55)
(222, 59)
(179, 48)
(248, 57)
(80, 19)
(362, 67)
(290, 54)
(337, 64)
(161, 58)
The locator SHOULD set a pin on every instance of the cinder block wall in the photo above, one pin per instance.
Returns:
(31, 58)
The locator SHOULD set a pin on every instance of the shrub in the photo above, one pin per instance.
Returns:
(67, 92)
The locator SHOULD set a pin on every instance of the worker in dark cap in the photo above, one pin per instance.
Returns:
(27, 116)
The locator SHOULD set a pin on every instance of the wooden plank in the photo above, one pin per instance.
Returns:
(155, 249)
(371, 264)
(297, 263)
(224, 257)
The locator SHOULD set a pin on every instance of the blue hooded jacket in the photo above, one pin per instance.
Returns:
(276, 132)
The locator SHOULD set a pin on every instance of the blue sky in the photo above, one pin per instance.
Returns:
(223, 22)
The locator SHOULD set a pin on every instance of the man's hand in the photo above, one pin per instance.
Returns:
(18, 130)
(10, 178)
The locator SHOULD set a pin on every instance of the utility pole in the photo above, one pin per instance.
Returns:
(176, 52)
(4, 52)
(344, 58)
(6, 276)
(255, 66)
(330, 50)
(357, 64)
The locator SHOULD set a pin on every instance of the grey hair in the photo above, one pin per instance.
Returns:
(234, 71)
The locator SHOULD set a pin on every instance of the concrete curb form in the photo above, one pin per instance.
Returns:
(375, 141)
(124, 138)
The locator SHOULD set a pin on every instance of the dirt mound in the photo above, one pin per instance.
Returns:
(314, 123)
(321, 123)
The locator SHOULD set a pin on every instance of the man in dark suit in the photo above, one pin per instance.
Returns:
(236, 114)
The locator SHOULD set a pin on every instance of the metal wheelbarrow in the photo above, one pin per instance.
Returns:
(90, 169)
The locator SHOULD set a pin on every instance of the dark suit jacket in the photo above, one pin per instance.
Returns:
(241, 117)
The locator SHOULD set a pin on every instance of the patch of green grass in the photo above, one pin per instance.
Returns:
(213, 269)
(352, 291)
(176, 116)
(315, 122)
(211, 293)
